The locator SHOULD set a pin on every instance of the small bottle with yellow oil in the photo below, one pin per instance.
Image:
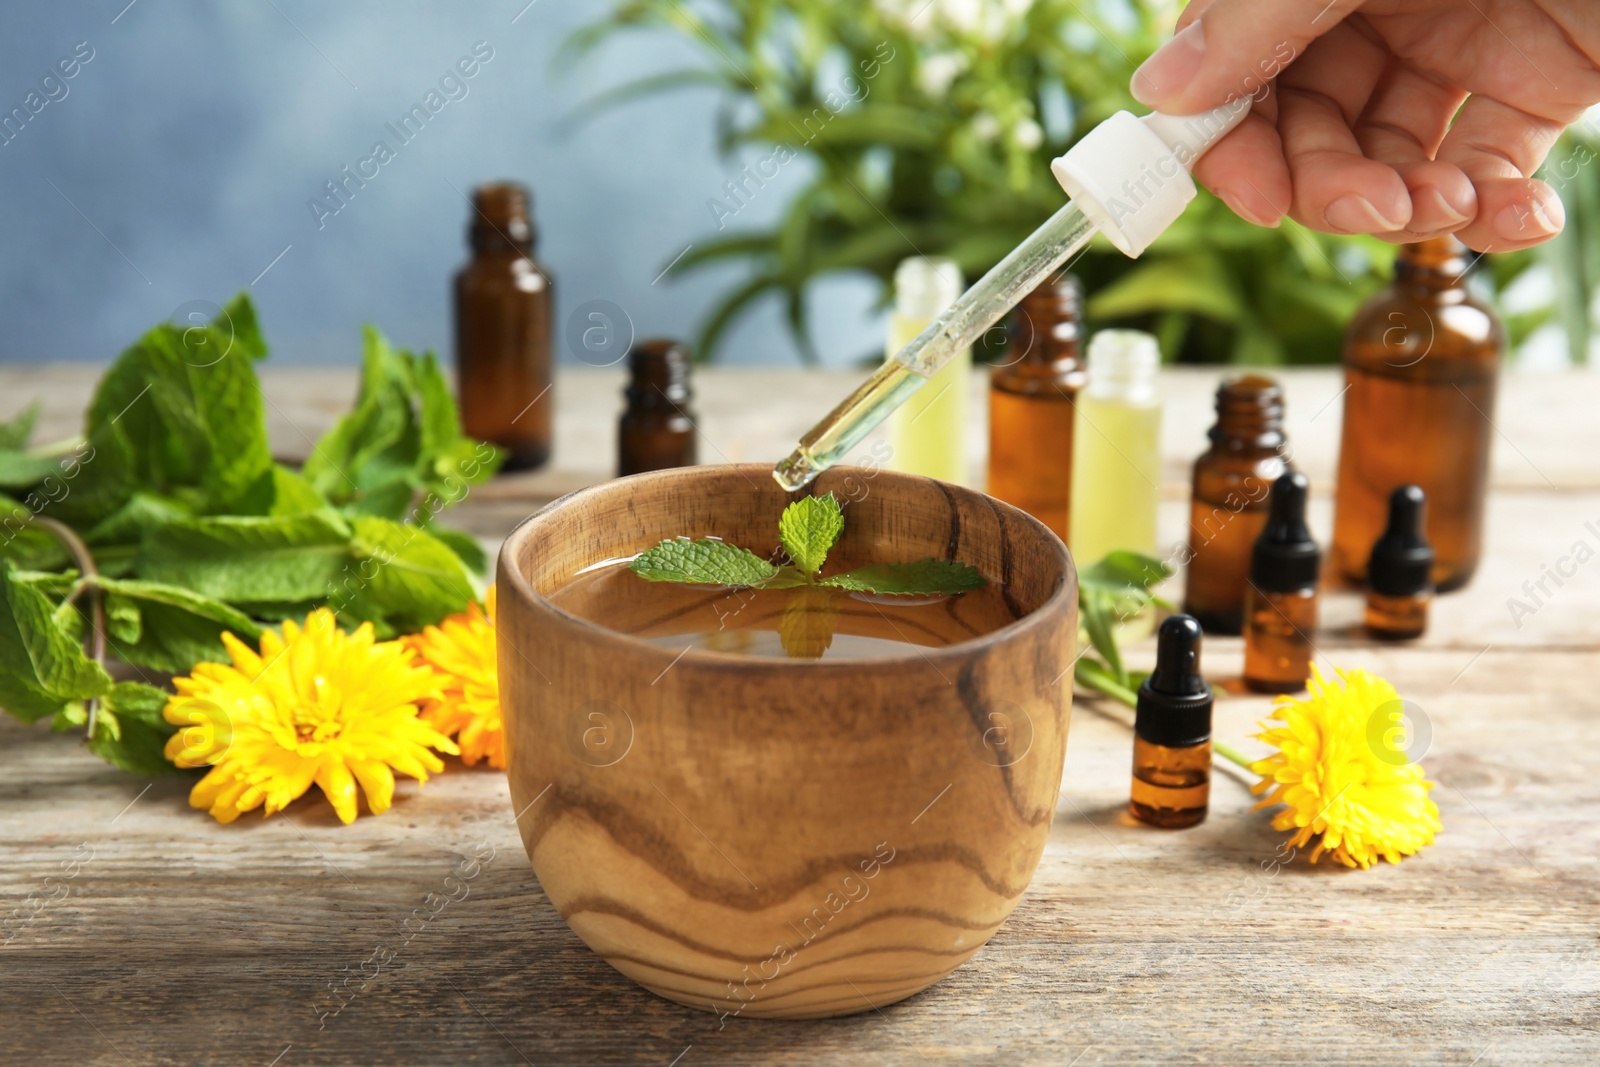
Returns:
(1172, 733)
(929, 431)
(1116, 456)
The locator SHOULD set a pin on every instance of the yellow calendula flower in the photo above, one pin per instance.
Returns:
(316, 705)
(461, 652)
(1341, 774)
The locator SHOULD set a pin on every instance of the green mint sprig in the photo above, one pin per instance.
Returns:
(807, 530)
(168, 523)
(1109, 591)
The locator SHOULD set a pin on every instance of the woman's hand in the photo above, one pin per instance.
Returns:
(1403, 118)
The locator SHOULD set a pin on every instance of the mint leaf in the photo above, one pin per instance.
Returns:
(179, 412)
(22, 470)
(808, 528)
(42, 666)
(408, 576)
(15, 433)
(927, 577)
(141, 512)
(807, 624)
(1122, 569)
(29, 547)
(706, 561)
(365, 463)
(402, 437)
(248, 559)
(465, 546)
(169, 628)
(130, 731)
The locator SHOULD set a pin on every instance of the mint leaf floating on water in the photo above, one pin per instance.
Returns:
(925, 577)
(703, 562)
(808, 528)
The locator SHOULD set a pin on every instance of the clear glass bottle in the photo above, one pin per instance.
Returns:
(1172, 733)
(929, 431)
(1031, 405)
(503, 324)
(1421, 363)
(1228, 501)
(1116, 460)
(1399, 571)
(656, 430)
(1280, 614)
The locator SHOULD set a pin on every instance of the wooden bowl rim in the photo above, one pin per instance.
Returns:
(532, 600)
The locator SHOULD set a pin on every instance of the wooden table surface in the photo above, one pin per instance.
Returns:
(166, 938)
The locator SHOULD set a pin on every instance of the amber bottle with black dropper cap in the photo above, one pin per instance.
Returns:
(1421, 363)
(1399, 582)
(1228, 502)
(503, 330)
(656, 430)
(1280, 614)
(1172, 733)
(1031, 411)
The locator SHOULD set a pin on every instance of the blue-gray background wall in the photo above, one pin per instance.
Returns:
(180, 162)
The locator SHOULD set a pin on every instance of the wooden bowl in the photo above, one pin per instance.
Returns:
(781, 838)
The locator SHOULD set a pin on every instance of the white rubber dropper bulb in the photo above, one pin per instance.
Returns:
(1131, 175)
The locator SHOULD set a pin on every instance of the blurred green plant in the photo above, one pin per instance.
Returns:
(927, 126)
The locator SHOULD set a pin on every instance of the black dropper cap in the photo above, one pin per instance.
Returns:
(1285, 557)
(1174, 706)
(1402, 560)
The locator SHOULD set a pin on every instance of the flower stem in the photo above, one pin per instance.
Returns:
(1227, 751)
(1093, 675)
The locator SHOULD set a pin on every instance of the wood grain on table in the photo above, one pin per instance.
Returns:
(150, 934)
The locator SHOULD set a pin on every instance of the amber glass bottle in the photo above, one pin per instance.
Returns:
(1280, 612)
(1421, 361)
(1228, 503)
(1031, 407)
(1399, 583)
(503, 330)
(657, 428)
(1172, 733)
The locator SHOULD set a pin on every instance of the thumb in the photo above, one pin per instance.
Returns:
(1231, 48)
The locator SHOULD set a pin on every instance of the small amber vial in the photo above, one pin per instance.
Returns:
(1172, 733)
(1228, 502)
(1032, 408)
(1280, 617)
(656, 430)
(1399, 586)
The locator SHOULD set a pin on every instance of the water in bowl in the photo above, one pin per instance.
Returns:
(807, 622)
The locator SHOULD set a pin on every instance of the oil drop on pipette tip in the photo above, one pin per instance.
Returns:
(1128, 179)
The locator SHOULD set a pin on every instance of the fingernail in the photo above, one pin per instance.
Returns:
(1355, 214)
(1241, 207)
(1442, 207)
(1172, 67)
(1533, 221)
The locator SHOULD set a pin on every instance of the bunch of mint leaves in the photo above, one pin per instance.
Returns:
(807, 531)
(1110, 592)
(194, 529)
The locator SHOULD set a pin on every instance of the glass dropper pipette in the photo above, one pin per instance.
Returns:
(1128, 178)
